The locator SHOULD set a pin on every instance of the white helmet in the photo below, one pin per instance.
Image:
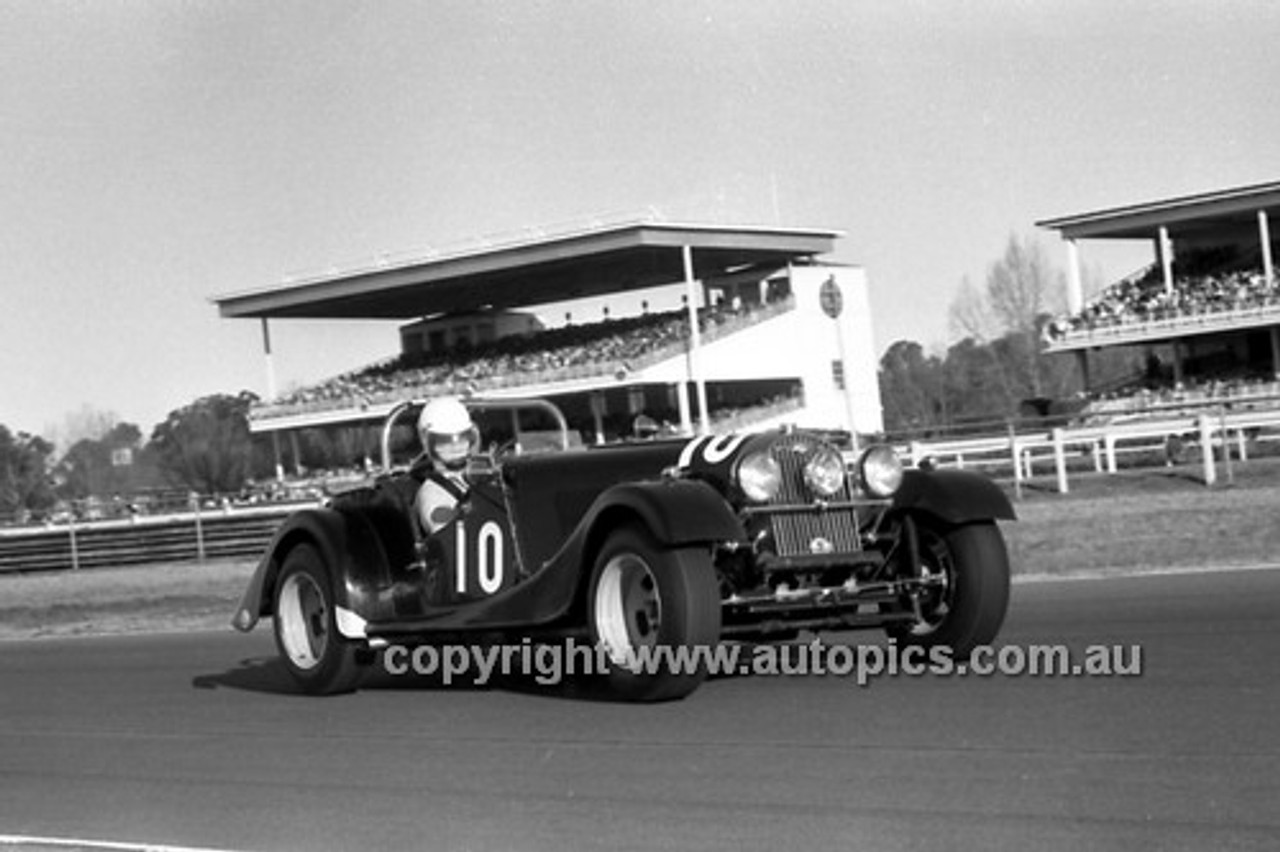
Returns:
(447, 433)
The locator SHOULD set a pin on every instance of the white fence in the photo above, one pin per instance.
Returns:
(1211, 432)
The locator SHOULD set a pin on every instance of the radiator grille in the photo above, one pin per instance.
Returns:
(797, 533)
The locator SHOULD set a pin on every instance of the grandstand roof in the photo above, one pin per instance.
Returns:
(1183, 214)
(590, 261)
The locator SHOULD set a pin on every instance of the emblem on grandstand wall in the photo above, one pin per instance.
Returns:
(831, 298)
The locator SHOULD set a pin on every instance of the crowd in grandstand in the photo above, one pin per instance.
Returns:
(601, 348)
(1145, 299)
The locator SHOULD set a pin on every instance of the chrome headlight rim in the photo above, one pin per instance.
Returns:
(759, 477)
(824, 472)
(880, 471)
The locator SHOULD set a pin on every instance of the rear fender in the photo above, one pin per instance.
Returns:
(354, 545)
(955, 496)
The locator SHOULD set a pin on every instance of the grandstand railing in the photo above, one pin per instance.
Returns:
(1146, 329)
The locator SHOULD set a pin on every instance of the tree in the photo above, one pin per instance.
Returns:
(1024, 293)
(976, 383)
(24, 473)
(911, 389)
(970, 314)
(85, 424)
(102, 466)
(1022, 288)
(1006, 318)
(206, 445)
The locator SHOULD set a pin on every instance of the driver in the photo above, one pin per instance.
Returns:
(448, 439)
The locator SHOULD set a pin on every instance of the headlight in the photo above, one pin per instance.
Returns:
(759, 477)
(824, 473)
(881, 471)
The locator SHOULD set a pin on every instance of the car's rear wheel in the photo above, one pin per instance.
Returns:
(965, 590)
(315, 653)
(655, 613)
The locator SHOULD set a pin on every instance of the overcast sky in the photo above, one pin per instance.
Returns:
(156, 154)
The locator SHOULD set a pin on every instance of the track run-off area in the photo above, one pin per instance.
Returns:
(197, 740)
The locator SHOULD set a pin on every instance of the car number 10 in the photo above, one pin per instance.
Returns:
(489, 557)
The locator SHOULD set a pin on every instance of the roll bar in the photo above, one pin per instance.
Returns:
(513, 405)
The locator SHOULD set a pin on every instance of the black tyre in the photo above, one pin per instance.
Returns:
(314, 652)
(643, 595)
(966, 591)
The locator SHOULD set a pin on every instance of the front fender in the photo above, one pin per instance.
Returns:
(955, 496)
(676, 511)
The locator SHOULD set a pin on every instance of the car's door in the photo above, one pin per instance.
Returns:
(477, 546)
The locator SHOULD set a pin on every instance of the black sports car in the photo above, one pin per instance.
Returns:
(678, 542)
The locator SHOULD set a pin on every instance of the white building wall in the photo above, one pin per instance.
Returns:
(820, 341)
(804, 343)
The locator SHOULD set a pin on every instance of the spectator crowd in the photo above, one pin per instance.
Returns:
(572, 351)
(1144, 299)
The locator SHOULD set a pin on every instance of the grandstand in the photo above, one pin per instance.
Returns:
(750, 344)
(1202, 319)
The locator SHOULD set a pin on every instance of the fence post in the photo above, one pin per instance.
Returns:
(75, 552)
(1226, 444)
(1017, 461)
(195, 505)
(1060, 459)
(1206, 450)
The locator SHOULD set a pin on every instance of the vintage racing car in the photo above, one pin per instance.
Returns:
(679, 542)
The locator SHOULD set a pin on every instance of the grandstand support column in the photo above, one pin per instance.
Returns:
(1275, 351)
(1082, 358)
(1264, 237)
(597, 401)
(1075, 289)
(1164, 249)
(297, 452)
(271, 394)
(275, 450)
(266, 352)
(695, 346)
(682, 401)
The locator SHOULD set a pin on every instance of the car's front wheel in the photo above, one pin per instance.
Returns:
(655, 613)
(964, 589)
(315, 653)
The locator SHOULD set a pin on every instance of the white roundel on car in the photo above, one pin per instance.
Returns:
(714, 449)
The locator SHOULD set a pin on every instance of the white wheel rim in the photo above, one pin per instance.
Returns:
(303, 617)
(628, 611)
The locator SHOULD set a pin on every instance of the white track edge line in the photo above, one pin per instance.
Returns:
(72, 842)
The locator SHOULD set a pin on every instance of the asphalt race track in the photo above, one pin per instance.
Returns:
(196, 740)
